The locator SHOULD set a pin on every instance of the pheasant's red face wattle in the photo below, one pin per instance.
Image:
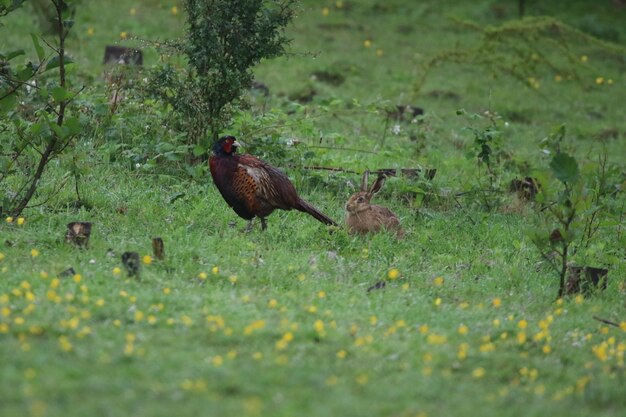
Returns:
(228, 145)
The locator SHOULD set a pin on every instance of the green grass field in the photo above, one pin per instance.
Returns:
(280, 323)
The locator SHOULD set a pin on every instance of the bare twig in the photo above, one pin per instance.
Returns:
(605, 321)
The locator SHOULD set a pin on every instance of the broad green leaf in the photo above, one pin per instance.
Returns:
(12, 54)
(26, 72)
(73, 126)
(60, 132)
(38, 48)
(198, 150)
(58, 94)
(8, 103)
(565, 168)
(55, 62)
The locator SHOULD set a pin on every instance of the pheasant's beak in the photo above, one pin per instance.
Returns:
(237, 144)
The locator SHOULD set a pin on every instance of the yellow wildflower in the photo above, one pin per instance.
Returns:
(393, 274)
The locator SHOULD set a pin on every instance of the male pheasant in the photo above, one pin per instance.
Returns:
(254, 188)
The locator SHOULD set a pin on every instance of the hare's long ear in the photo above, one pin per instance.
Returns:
(365, 180)
(378, 184)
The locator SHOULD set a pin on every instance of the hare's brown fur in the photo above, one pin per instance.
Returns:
(363, 217)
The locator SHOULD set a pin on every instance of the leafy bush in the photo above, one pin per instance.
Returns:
(224, 40)
(36, 100)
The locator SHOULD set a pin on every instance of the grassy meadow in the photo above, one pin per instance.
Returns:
(281, 322)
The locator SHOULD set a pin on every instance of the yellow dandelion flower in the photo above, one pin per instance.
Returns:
(437, 301)
(139, 315)
(20, 221)
(622, 326)
(362, 379)
(609, 81)
(321, 294)
(9, 219)
(438, 281)
(272, 303)
(496, 302)
(487, 347)
(34, 253)
(202, 275)
(546, 349)
(312, 309)
(393, 274)
(123, 35)
(117, 271)
(584, 59)
(332, 380)
(147, 259)
(90, 31)
(379, 52)
(257, 356)
(232, 279)
(217, 361)
(77, 278)
(1, 256)
(463, 329)
(65, 344)
(522, 324)
(405, 286)
(579, 299)
(215, 270)
(174, 10)
(599, 81)
(341, 354)
(325, 11)
(367, 43)
(318, 326)
(521, 338)
(558, 78)
(423, 329)
(435, 339)
(478, 373)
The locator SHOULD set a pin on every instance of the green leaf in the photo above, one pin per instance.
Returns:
(12, 54)
(8, 103)
(73, 126)
(55, 62)
(565, 168)
(38, 48)
(198, 150)
(59, 94)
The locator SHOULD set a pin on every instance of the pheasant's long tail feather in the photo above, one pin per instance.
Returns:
(308, 208)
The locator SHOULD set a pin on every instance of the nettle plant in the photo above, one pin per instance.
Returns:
(486, 150)
(38, 124)
(575, 211)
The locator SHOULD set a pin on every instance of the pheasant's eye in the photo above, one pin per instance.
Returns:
(360, 200)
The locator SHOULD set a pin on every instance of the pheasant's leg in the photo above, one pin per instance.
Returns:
(263, 223)
(248, 228)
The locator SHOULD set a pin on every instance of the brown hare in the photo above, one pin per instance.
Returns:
(363, 217)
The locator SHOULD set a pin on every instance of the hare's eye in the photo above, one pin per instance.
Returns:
(360, 200)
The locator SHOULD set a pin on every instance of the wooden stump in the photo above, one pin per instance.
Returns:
(78, 233)
(585, 278)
